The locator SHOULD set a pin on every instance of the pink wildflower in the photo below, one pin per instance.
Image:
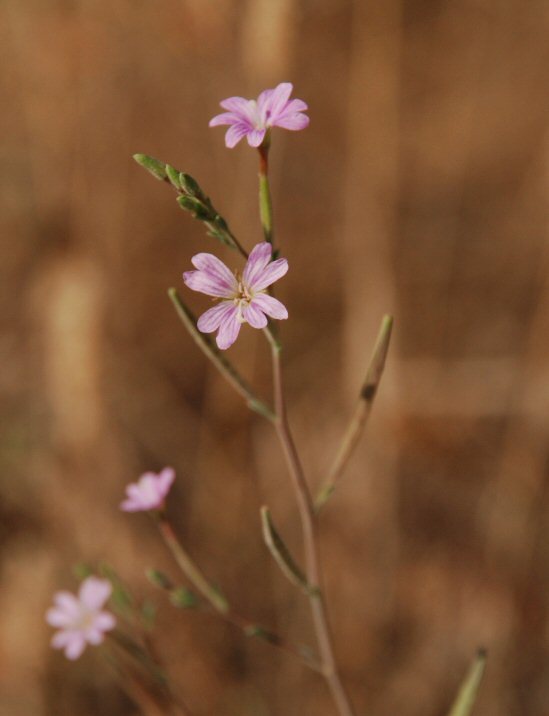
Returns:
(252, 118)
(81, 620)
(243, 299)
(149, 492)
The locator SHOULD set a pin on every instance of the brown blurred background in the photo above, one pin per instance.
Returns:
(420, 189)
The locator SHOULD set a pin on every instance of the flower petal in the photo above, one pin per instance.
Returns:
(94, 592)
(256, 136)
(270, 305)
(237, 105)
(61, 638)
(131, 505)
(215, 268)
(269, 275)
(165, 479)
(294, 122)
(235, 134)
(212, 278)
(75, 646)
(211, 319)
(255, 317)
(229, 329)
(59, 618)
(258, 259)
(276, 103)
(94, 636)
(105, 621)
(67, 602)
(263, 101)
(224, 118)
(293, 106)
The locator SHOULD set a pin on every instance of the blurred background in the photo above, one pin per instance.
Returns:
(420, 189)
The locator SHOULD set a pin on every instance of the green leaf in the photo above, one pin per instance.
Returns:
(82, 570)
(152, 165)
(159, 579)
(121, 597)
(282, 555)
(183, 598)
(148, 613)
(467, 694)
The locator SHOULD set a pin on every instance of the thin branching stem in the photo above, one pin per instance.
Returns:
(220, 604)
(224, 366)
(310, 543)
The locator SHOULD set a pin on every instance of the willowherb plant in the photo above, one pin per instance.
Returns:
(246, 296)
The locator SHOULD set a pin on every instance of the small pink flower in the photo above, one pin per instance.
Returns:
(149, 492)
(81, 620)
(252, 118)
(244, 299)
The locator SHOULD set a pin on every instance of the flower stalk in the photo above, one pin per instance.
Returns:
(265, 202)
(188, 567)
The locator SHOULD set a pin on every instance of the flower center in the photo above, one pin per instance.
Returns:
(242, 298)
(85, 619)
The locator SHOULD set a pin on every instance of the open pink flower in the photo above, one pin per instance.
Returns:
(149, 492)
(243, 299)
(81, 619)
(252, 118)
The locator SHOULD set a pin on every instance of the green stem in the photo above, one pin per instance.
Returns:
(307, 516)
(190, 569)
(265, 203)
(221, 605)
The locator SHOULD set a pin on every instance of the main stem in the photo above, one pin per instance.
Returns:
(310, 544)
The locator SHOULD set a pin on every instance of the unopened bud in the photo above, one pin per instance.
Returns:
(158, 579)
(152, 165)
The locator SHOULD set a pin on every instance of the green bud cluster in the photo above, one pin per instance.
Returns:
(191, 197)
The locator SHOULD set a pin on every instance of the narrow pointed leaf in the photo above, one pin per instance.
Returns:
(467, 694)
(212, 352)
(159, 579)
(282, 555)
(358, 421)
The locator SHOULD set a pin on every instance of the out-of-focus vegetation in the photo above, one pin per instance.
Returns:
(420, 188)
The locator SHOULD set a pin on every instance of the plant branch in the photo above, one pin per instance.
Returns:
(189, 568)
(361, 413)
(224, 366)
(220, 604)
(192, 198)
(308, 525)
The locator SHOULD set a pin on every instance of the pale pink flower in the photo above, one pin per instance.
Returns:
(149, 492)
(252, 118)
(81, 619)
(244, 299)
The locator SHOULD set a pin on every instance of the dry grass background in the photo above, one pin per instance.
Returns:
(420, 188)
